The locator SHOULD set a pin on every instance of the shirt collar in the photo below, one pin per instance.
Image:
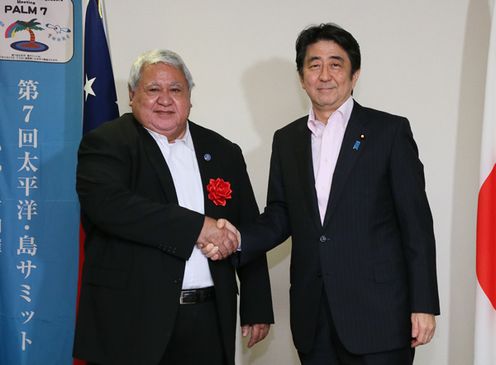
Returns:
(186, 139)
(317, 127)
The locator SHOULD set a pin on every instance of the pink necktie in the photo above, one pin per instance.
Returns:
(329, 151)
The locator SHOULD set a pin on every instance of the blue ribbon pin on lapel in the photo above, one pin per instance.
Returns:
(357, 144)
(207, 157)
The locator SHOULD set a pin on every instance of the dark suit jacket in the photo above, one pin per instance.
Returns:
(375, 253)
(138, 239)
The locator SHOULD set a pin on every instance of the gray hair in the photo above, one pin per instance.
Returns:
(157, 56)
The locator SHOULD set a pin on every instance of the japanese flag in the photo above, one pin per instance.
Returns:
(485, 318)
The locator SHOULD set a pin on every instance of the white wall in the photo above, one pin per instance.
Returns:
(422, 59)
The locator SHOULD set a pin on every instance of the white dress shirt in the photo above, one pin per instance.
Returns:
(326, 144)
(181, 159)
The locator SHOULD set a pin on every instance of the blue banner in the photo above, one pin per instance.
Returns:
(40, 129)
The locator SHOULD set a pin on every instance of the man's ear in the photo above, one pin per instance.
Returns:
(131, 96)
(355, 77)
(300, 77)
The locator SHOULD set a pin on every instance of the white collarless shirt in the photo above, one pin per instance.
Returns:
(181, 160)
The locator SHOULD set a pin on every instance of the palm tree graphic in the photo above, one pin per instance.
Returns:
(30, 26)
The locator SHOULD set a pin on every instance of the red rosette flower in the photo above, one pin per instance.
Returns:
(219, 191)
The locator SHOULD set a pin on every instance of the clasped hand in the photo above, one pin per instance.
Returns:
(218, 239)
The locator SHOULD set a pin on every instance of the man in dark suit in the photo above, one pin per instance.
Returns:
(148, 183)
(347, 185)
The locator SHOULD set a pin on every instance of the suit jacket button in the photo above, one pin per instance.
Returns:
(323, 239)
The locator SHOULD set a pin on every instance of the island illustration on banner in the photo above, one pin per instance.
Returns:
(31, 45)
(40, 32)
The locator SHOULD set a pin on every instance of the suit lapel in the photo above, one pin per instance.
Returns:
(152, 151)
(352, 147)
(304, 168)
(207, 160)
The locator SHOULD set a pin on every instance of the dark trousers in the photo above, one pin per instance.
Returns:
(196, 337)
(328, 349)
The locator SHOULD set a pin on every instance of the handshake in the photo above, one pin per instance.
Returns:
(218, 239)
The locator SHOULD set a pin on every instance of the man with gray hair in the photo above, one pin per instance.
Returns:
(151, 185)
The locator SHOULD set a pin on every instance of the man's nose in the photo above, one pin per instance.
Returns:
(164, 98)
(325, 74)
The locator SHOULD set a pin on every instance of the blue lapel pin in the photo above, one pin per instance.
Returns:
(357, 144)
(207, 157)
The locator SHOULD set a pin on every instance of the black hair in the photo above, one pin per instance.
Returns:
(327, 32)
